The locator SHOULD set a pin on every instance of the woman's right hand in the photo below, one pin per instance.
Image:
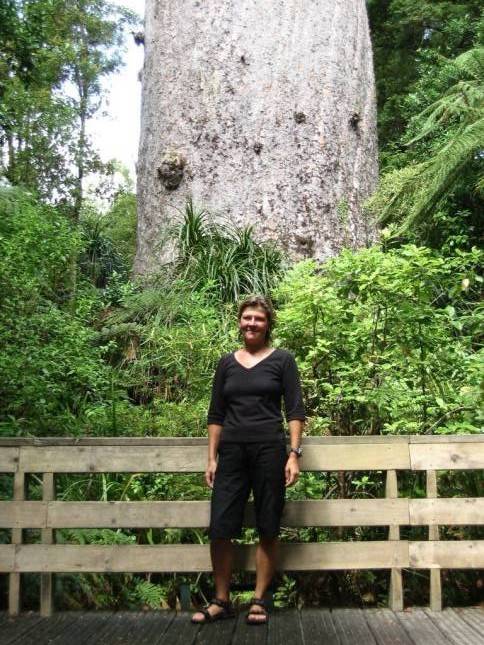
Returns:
(210, 472)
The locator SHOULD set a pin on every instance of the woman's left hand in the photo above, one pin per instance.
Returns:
(292, 470)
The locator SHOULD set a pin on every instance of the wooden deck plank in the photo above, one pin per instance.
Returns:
(318, 627)
(455, 628)
(386, 628)
(43, 631)
(180, 631)
(218, 633)
(249, 634)
(420, 628)
(151, 627)
(85, 625)
(108, 629)
(119, 629)
(155, 624)
(16, 626)
(142, 628)
(284, 627)
(351, 627)
(3, 617)
(312, 626)
(474, 616)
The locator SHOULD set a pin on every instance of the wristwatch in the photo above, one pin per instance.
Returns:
(298, 451)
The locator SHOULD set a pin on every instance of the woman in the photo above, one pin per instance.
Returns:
(245, 431)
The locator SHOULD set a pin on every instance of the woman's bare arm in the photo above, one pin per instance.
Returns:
(292, 466)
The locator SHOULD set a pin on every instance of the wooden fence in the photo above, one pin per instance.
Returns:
(180, 455)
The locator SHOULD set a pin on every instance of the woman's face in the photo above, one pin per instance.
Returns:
(253, 325)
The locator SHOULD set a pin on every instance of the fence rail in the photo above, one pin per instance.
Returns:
(182, 455)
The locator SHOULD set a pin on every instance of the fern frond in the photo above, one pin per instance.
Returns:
(441, 171)
(395, 194)
(471, 62)
(151, 594)
(456, 120)
(463, 102)
(479, 189)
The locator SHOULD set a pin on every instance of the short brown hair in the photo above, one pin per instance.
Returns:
(265, 304)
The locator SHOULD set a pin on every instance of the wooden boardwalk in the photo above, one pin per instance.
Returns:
(289, 627)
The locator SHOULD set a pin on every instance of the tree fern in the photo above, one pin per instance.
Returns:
(441, 172)
(462, 102)
(455, 122)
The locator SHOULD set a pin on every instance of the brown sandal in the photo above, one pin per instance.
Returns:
(263, 612)
(227, 611)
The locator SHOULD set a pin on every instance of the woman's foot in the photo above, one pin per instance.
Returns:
(257, 614)
(216, 609)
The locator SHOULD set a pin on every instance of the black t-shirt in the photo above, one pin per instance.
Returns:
(247, 401)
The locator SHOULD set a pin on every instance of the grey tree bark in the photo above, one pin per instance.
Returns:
(263, 112)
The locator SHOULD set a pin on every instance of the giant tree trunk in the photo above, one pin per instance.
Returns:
(262, 111)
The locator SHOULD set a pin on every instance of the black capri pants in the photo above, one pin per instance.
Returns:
(243, 467)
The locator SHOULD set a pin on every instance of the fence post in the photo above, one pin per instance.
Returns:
(435, 580)
(14, 578)
(47, 538)
(395, 598)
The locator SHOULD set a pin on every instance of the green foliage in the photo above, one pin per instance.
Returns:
(36, 245)
(403, 32)
(387, 341)
(286, 592)
(224, 260)
(121, 220)
(48, 48)
(429, 74)
(452, 127)
(152, 595)
(100, 260)
(93, 32)
(49, 369)
(166, 340)
(43, 123)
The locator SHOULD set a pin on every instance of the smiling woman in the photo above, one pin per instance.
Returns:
(256, 316)
(247, 451)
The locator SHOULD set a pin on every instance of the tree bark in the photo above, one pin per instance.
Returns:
(263, 112)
